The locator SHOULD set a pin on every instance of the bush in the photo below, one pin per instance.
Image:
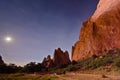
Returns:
(70, 67)
(84, 63)
(74, 62)
(33, 67)
(54, 68)
(11, 68)
(100, 62)
(3, 68)
(94, 56)
(104, 76)
(95, 62)
(48, 77)
(117, 62)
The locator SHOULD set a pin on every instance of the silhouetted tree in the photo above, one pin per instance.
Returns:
(11, 68)
(3, 68)
(34, 67)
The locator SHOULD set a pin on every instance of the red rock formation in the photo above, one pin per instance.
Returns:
(1, 61)
(48, 62)
(61, 58)
(100, 32)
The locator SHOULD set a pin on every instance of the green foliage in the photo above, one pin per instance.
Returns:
(70, 68)
(33, 67)
(84, 63)
(48, 77)
(91, 63)
(117, 62)
(74, 62)
(11, 68)
(111, 58)
(94, 56)
(97, 63)
(19, 76)
(28, 68)
(3, 68)
(54, 68)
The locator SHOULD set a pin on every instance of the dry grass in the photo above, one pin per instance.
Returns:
(22, 76)
(68, 76)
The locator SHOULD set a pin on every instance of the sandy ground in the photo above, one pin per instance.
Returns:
(77, 76)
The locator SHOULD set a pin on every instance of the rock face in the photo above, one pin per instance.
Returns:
(1, 61)
(60, 58)
(48, 62)
(100, 32)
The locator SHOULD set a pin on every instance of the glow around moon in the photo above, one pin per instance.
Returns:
(8, 39)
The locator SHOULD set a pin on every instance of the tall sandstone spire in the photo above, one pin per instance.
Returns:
(100, 32)
(60, 59)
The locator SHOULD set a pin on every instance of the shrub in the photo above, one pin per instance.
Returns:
(34, 67)
(95, 62)
(104, 76)
(54, 69)
(48, 77)
(11, 68)
(94, 56)
(70, 67)
(117, 62)
(74, 62)
(84, 63)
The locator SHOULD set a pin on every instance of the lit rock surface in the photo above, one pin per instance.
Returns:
(104, 6)
(100, 32)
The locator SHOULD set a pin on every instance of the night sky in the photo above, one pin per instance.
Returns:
(37, 27)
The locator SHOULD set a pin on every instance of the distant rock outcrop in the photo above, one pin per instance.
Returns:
(100, 32)
(48, 62)
(60, 58)
(1, 61)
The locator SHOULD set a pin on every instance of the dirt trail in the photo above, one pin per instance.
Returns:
(77, 76)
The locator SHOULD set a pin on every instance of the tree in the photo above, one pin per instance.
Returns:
(34, 67)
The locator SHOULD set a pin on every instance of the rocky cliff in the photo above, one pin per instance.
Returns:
(60, 58)
(1, 61)
(48, 62)
(100, 32)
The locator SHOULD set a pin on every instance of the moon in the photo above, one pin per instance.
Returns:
(8, 39)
